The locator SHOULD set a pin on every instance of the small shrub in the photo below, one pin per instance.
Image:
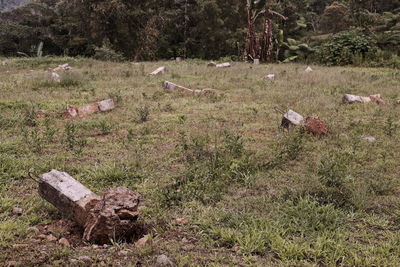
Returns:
(194, 148)
(333, 169)
(34, 138)
(130, 136)
(29, 116)
(116, 96)
(234, 144)
(181, 119)
(104, 127)
(390, 127)
(50, 131)
(71, 141)
(287, 149)
(168, 108)
(334, 176)
(105, 53)
(143, 113)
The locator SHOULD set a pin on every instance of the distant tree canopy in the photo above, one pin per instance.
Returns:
(207, 29)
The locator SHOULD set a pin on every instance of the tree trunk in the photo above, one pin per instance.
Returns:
(251, 53)
(267, 40)
(267, 37)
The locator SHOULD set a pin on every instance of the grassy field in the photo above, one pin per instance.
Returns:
(252, 194)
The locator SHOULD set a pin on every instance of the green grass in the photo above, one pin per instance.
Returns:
(254, 195)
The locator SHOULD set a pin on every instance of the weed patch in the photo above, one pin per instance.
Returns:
(295, 231)
(211, 169)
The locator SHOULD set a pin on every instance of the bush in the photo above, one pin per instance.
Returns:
(346, 48)
(143, 113)
(107, 54)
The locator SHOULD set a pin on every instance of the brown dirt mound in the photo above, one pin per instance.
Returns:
(315, 126)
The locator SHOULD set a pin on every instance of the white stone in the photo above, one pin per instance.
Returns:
(62, 67)
(293, 117)
(66, 194)
(369, 139)
(84, 258)
(174, 87)
(71, 111)
(256, 61)
(223, 65)
(106, 105)
(309, 69)
(63, 182)
(164, 260)
(55, 77)
(270, 77)
(160, 70)
(350, 99)
(17, 211)
(63, 241)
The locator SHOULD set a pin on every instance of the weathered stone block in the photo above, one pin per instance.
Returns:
(104, 218)
(350, 99)
(292, 118)
(174, 87)
(66, 194)
(106, 105)
(160, 70)
(269, 77)
(224, 65)
(55, 77)
(88, 109)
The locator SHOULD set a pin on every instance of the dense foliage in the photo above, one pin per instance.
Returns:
(207, 29)
(342, 48)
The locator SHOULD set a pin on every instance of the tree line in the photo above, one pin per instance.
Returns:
(272, 30)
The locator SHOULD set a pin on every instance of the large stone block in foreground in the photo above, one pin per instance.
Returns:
(104, 218)
(65, 193)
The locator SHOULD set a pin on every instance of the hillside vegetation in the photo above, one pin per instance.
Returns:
(347, 32)
(249, 192)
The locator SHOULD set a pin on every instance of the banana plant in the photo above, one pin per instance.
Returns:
(293, 50)
(260, 48)
(254, 10)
